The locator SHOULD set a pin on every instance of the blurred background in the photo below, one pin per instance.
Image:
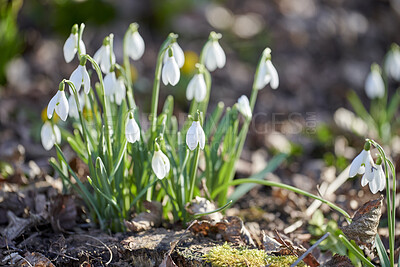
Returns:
(321, 49)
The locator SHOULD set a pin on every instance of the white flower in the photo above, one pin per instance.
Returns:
(73, 109)
(119, 91)
(376, 179)
(392, 63)
(79, 76)
(132, 131)
(197, 88)
(110, 84)
(374, 85)
(50, 135)
(267, 74)
(105, 58)
(160, 164)
(71, 47)
(195, 136)
(358, 163)
(170, 72)
(59, 103)
(214, 55)
(179, 56)
(244, 106)
(134, 45)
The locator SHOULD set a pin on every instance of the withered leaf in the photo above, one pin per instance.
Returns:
(36, 259)
(146, 220)
(364, 225)
(62, 213)
(339, 261)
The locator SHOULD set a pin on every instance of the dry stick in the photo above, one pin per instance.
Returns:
(310, 249)
(109, 250)
(324, 190)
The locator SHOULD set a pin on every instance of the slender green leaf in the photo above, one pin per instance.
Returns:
(197, 215)
(383, 256)
(355, 251)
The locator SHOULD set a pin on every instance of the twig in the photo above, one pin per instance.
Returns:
(109, 250)
(310, 249)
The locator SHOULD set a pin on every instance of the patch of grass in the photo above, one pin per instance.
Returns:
(225, 255)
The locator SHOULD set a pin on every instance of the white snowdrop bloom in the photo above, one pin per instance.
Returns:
(195, 136)
(392, 63)
(79, 76)
(170, 72)
(267, 74)
(70, 47)
(110, 84)
(132, 131)
(50, 135)
(374, 85)
(214, 55)
(134, 43)
(197, 88)
(105, 57)
(244, 106)
(377, 181)
(160, 164)
(358, 163)
(179, 56)
(73, 108)
(119, 91)
(58, 103)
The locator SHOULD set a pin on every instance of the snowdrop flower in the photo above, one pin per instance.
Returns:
(170, 72)
(195, 136)
(267, 73)
(132, 131)
(214, 55)
(105, 57)
(134, 43)
(179, 56)
(110, 84)
(119, 91)
(79, 76)
(244, 106)
(361, 163)
(392, 62)
(50, 135)
(376, 179)
(160, 163)
(374, 85)
(197, 88)
(58, 103)
(71, 45)
(73, 107)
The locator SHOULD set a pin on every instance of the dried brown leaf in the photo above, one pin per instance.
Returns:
(146, 220)
(35, 259)
(62, 213)
(338, 261)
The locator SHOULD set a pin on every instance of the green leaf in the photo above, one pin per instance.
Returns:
(118, 161)
(197, 215)
(383, 256)
(360, 109)
(244, 188)
(102, 176)
(393, 106)
(78, 149)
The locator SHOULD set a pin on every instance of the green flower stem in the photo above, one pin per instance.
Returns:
(356, 252)
(128, 73)
(80, 32)
(106, 110)
(156, 83)
(293, 189)
(194, 172)
(390, 198)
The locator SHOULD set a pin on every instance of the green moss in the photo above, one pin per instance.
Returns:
(225, 255)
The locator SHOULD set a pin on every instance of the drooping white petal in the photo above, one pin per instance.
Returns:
(273, 74)
(132, 131)
(52, 105)
(62, 107)
(262, 78)
(135, 45)
(357, 162)
(120, 91)
(196, 88)
(373, 184)
(382, 180)
(70, 47)
(170, 72)
(76, 78)
(392, 64)
(47, 136)
(244, 106)
(178, 54)
(86, 80)
(220, 54)
(374, 85)
(160, 164)
(195, 136)
(105, 60)
(82, 47)
(73, 109)
(364, 181)
(57, 133)
(369, 167)
(210, 60)
(109, 83)
(99, 54)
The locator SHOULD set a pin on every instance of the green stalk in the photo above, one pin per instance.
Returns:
(194, 172)
(127, 67)
(293, 189)
(80, 32)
